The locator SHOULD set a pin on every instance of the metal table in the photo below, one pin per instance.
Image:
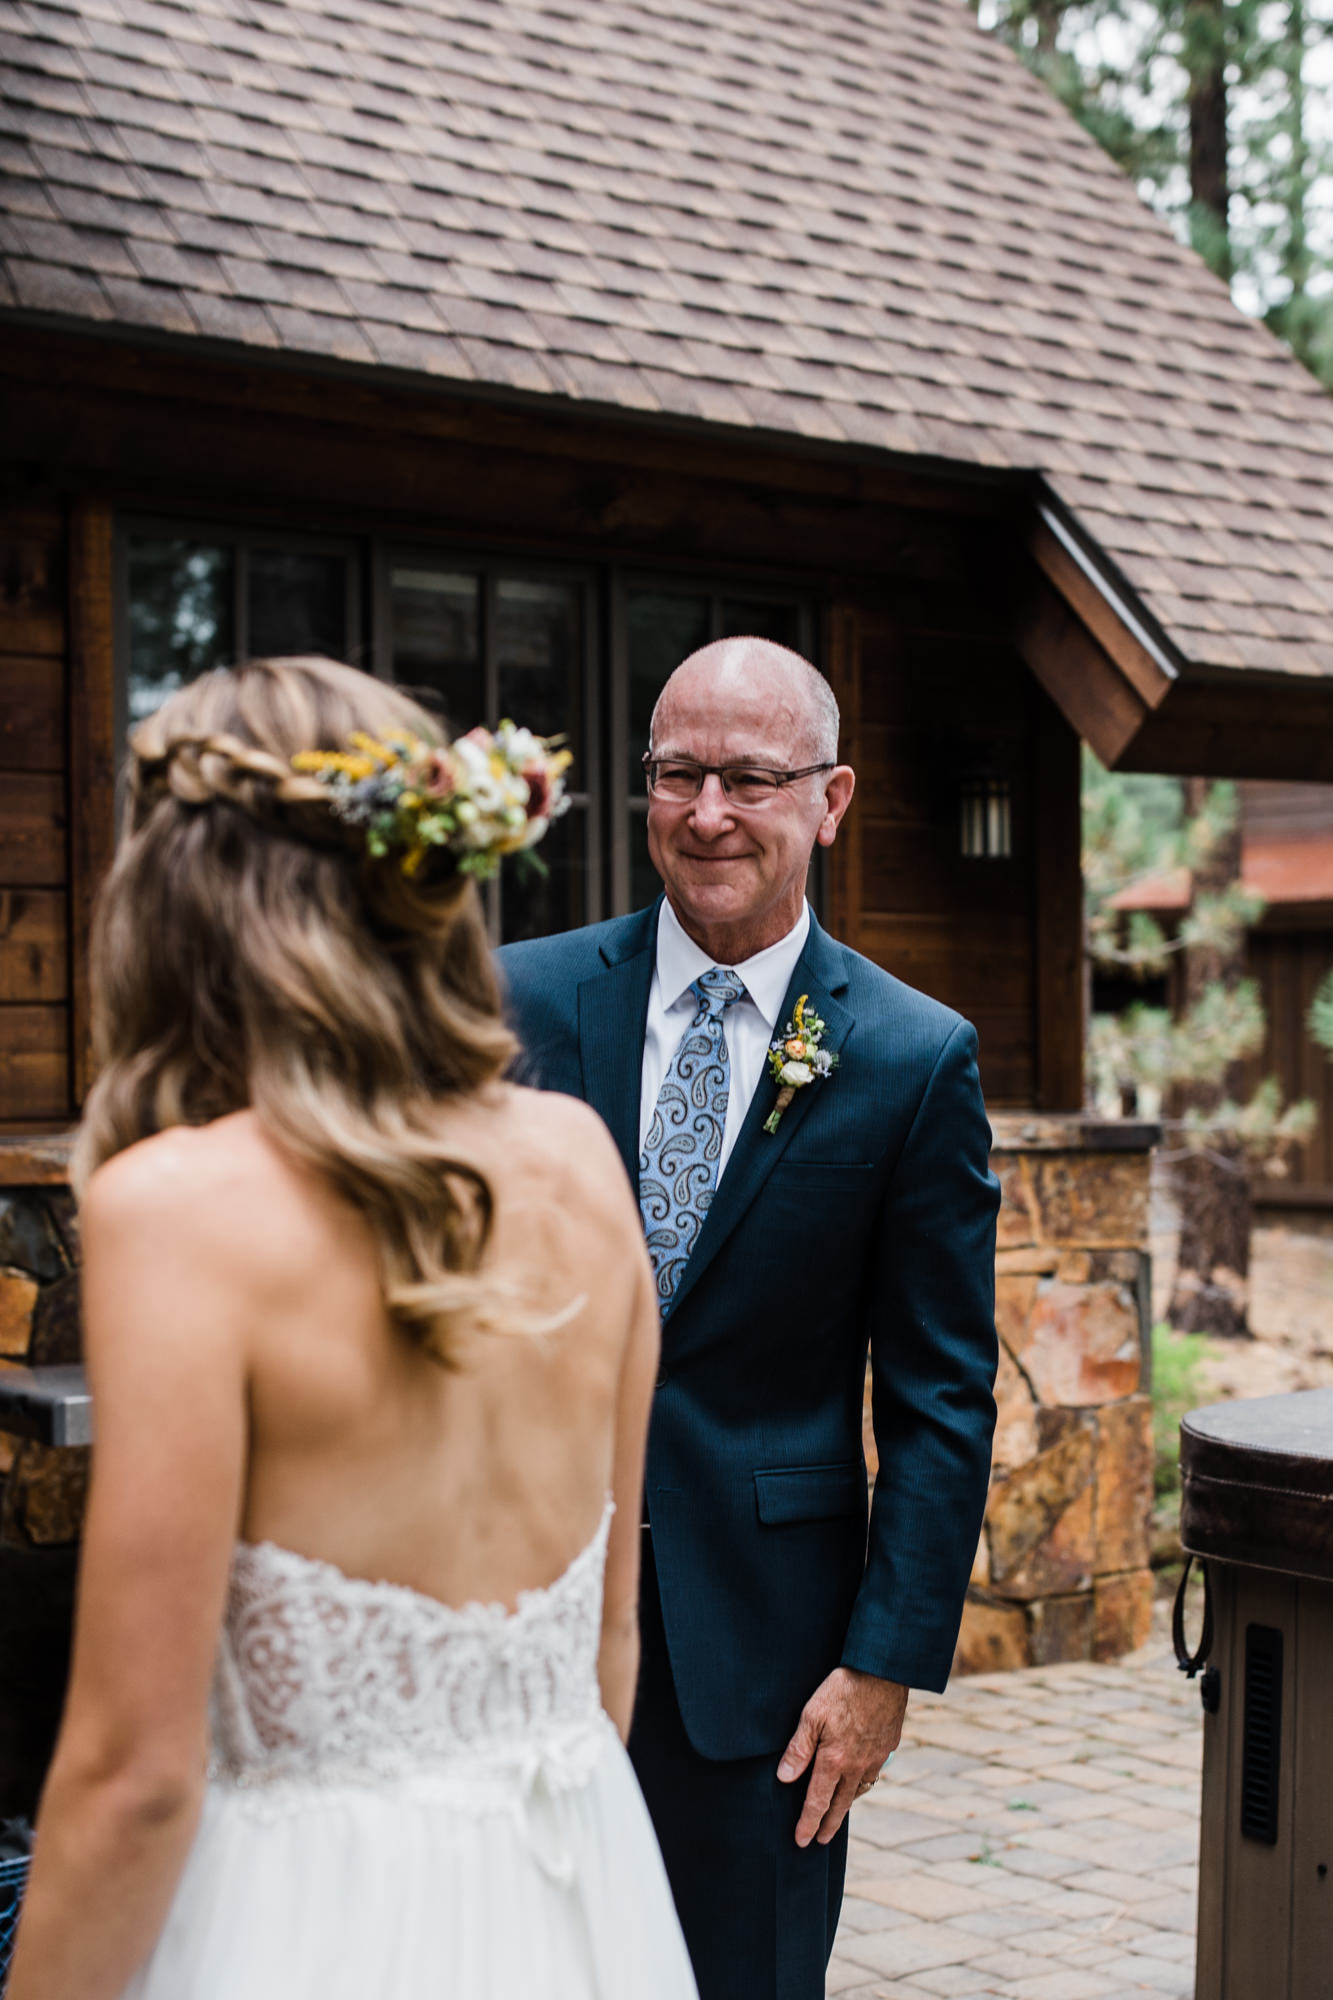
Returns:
(51, 1405)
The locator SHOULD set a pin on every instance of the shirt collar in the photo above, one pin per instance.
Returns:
(767, 975)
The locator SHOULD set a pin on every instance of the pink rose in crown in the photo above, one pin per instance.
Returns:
(538, 780)
(439, 778)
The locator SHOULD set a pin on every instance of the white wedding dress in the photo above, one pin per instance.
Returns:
(410, 1801)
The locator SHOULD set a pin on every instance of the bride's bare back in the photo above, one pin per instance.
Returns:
(468, 1482)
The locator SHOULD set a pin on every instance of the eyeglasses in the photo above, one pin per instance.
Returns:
(679, 780)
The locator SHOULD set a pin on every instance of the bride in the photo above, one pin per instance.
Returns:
(372, 1340)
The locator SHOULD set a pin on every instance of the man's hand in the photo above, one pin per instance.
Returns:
(849, 1728)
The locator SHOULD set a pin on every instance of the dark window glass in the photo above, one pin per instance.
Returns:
(436, 625)
(743, 619)
(181, 595)
(663, 627)
(297, 603)
(533, 905)
(539, 669)
(539, 660)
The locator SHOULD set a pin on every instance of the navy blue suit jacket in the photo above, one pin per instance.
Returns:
(867, 1218)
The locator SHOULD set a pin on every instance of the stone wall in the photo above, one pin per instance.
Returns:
(1061, 1571)
(1062, 1568)
(41, 1490)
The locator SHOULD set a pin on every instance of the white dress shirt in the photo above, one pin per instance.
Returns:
(749, 1023)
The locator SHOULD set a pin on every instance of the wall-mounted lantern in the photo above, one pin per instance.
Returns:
(985, 829)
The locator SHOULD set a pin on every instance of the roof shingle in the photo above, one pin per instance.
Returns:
(864, 222)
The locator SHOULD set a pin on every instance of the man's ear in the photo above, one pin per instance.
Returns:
(837, 797)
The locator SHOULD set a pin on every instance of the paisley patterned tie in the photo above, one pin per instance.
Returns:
(678, 1164)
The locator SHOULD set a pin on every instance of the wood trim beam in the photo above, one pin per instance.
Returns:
(1242, 725)
(1147, 673)
(92, 755)
(28, 1161)
(258, 388)
(1075, 669)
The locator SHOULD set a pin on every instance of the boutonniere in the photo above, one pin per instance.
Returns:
(795, 1059)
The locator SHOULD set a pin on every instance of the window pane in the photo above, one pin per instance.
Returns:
(180, 616)
(297, 604)
(436, 639)
(743, 618)
(539, 657)
(533, 905)
(663, 627)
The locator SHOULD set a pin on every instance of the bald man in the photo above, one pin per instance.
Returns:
(793, 1225)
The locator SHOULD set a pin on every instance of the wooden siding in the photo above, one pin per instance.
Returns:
(34, 866)
(1289, 966)
(987, 936)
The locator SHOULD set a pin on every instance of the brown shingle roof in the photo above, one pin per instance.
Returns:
(857, 222)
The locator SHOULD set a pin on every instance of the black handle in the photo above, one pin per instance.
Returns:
(1190, 1663)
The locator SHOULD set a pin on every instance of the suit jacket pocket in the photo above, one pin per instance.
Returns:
(810, 1492)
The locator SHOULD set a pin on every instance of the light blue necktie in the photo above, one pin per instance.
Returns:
(679, 1162)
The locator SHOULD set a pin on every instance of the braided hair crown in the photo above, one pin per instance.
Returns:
(229, 738)
(176, 754)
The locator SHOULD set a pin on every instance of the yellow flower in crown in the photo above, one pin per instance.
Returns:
(485, 795)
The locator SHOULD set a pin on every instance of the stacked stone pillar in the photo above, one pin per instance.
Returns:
(1062, 1567)
(1061, 1571)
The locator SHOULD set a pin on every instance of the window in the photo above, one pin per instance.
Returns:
(479, 638)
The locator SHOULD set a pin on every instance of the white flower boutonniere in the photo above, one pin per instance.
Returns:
(795, 1059)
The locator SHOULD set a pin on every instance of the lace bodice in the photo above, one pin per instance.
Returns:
(324, 1676)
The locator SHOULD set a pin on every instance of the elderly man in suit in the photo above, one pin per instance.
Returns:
(793, 1223)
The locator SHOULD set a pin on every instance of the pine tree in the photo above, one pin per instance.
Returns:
(1207, 105)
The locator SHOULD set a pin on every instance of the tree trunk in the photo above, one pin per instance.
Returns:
(1211, 1292)
(1046, 14)
(1296, 250)
(1205, 64)
(1293, 319)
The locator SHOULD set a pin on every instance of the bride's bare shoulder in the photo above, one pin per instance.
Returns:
(548, 1118)
(194, 1178)
(565, 1139)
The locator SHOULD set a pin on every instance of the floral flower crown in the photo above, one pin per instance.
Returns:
(482, 796)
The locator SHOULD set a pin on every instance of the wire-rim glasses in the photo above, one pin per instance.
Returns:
(679, 780)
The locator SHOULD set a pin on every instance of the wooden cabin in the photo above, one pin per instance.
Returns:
(515, 360)
(513, 352)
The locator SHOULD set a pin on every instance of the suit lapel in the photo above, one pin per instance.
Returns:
(820, 974)
(613, 1010)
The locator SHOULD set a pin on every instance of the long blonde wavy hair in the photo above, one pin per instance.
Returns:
(248, 952)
